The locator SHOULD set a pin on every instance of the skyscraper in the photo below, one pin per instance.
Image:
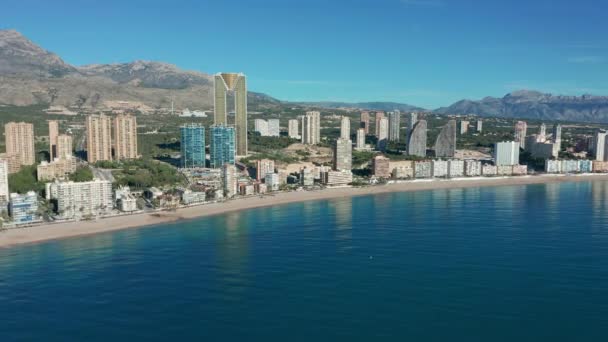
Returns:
(293, 129)
(264, 167)
(345, 127)
(223, 149)
(261, 126)
(125, 137)
(4, 193)
(479, 126)
(598, 145)
(521, 128)
(542, 132)
(364, 121)
(506, 153)
(382, 133)
(311, 128)
(229, 178)
(445, 145)
(99, 138)
(360, 138)
(412, 119)
(192, 145)
(274, 128)
(343, 154)
(416, 145)
(379, 116)
(464, 126)
(64, 147)
(557, 138)
(394, 123)
(232, 83)
(53, 134)
(19, 138)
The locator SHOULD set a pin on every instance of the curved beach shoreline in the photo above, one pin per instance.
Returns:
(45, 232)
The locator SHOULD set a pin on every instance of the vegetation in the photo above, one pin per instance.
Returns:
(262, 144)
(362, 157)
(277, 156)
(82, 174)
(143, 173)
(25, 180)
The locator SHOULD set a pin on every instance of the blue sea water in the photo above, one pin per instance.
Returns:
(518, 263)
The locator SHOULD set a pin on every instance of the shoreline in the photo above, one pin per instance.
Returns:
(47, 232)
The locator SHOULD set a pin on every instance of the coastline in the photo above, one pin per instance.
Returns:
(46, 232)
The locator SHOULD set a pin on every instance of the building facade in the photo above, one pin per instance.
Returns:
(125, 137)
(99, 138)
(382, 133)
(192, 146)
(311, 128)
(343, 154)
(345, 127)
(416, 145)
(293, 129)
(364, 121)
(506, 153)
(19, 142)
(394, 125)
(225, 83)
(445, 145)
(53, 135)
(521, 129)
(264, 167)
(24, 208)
(80, 199)
(223, 149)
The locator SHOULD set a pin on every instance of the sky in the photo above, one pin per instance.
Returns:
(428, 53)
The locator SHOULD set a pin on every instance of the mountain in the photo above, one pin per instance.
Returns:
(536, 105)
(384, 106)
(31, 75)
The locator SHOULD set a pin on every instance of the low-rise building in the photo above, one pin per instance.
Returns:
(455, 168)
(403, 172)
(586, 166)
(246, 189)
(520, 170)
(439, 168)
(193, 197)
(600, 166)
(570, 166)
(422, 169)
(125, 200)
(24, 208)
(261, 188)
(472, 168)
(504, 170)
(272, 181)
(336, 178)
(57, 169)
(553, 166)
(489, 170)
(381, 167)
(307, 177)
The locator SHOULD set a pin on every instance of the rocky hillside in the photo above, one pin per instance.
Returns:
(31, 75)
(536, 105)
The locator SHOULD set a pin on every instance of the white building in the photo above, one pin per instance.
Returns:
(24, 208)
(307, 177)
(80, 199)
(345, 128)
(261, 126)
(311, 128)
(506, 153)
(272, 181)
(455, 168)
(274, 129)
(229, 178)
(422, 169)
(193, 197)
(360, 145)
(472, 168)
(439, 168)
(4, 194)
(489, 170)
(125, 201)
(336, 178)
(293, 129)
(382, 134)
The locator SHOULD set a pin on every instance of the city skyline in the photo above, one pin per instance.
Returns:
(568, 62)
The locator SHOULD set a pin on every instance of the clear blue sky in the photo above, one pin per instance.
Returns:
(423, 52)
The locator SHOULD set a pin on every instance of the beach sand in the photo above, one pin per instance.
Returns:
(34, 234)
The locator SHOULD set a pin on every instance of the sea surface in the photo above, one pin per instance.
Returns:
(516, 263)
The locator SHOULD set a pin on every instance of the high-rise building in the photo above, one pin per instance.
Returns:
(464, 126)
(274, 128)
(4, 194)
(521, 128)
(381, 167)
(379, 116)
(360, 139)
(394, 123)
(64, 147)
(263, 167)
(99, 138)
(557, 138)
(53, 135)
(343, 154)
(364, 121)
(416, 145)
(598, 145)
(125, 137)
(19, 138)
(81, 199)
(542, 132)
(311, 128)
(506, 153)
(412, 119)
(192, 145)
(223, 149)
(261, 126)
(382, 134)
(226, 83)
(345, 127)
(445, 145)
(294, 129)
(230, 180)
(24, 208)
(479, 126)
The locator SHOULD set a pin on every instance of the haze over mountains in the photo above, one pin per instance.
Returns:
(31, 75)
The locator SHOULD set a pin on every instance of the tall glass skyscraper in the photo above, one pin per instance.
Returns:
(192, 145)
(222, 145)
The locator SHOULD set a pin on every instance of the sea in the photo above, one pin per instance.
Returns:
(509, 263)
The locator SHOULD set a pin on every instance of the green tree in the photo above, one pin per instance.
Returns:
(82, 174)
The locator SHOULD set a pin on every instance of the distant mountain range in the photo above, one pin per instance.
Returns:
(31, 75)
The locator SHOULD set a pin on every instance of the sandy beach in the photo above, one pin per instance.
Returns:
(34, 234)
